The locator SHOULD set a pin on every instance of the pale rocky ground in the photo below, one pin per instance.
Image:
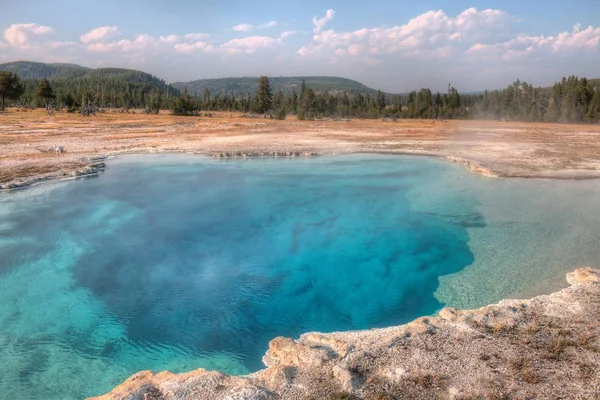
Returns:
(547, 347)
(491, 148)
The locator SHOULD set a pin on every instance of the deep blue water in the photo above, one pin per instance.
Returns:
(178, 262)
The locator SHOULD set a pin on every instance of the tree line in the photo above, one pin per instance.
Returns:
(105, 88)
(571, 100)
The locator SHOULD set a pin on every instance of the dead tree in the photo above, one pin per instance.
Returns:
(50, 108)
(88, 108)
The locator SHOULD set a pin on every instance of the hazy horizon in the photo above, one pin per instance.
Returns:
(474, 45)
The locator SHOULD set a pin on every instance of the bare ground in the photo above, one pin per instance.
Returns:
(506, 149)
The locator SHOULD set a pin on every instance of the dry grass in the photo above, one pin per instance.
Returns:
(33, 170)
(557, 347)
(340, 396)
(427, 380)
(588, 341)
(523, 370)
(587, 370)
(500, 326)
(531, 329)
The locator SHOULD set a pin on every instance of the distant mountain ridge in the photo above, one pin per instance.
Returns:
(244, 85)
(58, 71)
(236, 86)
(62, 73)
(38, 70)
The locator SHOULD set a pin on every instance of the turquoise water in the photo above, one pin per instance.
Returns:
(179, 262)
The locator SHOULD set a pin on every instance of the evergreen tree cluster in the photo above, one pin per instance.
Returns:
(106, 87)
(10, 87)
(572, 100)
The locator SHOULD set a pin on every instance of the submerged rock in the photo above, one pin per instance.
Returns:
(545, 347)
(244, 154)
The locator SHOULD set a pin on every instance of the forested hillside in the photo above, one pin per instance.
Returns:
(243, 86)
(37, 70)
(109, 87)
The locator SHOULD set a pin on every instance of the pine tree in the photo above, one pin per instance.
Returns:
(206, 99)
(307, 104)
(10, 87)
(44, 92)
(69, 102)
(264, 97)
(154, 105)
(453, 98)
(593, 112)
(293, 100)
(185, 105)
(380, 101)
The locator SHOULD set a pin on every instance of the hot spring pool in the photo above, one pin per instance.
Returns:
(179, 262)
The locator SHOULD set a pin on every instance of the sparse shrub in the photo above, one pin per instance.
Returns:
(497, 391)
(524, 371)
(557, 348)
(588, 342)
(280, 114)
(427, 380)
(528, 375)
(518, 364)
(587, 370)
(531, 328)
(340, 396)
(500, 326)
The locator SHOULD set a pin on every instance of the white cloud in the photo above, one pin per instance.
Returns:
(190, 48)
(320, 23)
(473, 25)
(287, 34)
(270, 24)
(169, 38)
(578, 39)
(140, 43)
(59, 44)
(102, 47)
(19, 34)
(354, 49)
(100, 34)
(435, 34)
(197, 36)
(243, 28)
(249, 44)
(522, 45)
(478, 47)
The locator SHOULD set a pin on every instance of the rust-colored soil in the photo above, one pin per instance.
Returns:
(491, 148)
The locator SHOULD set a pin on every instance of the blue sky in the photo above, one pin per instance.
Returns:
(392, 45)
